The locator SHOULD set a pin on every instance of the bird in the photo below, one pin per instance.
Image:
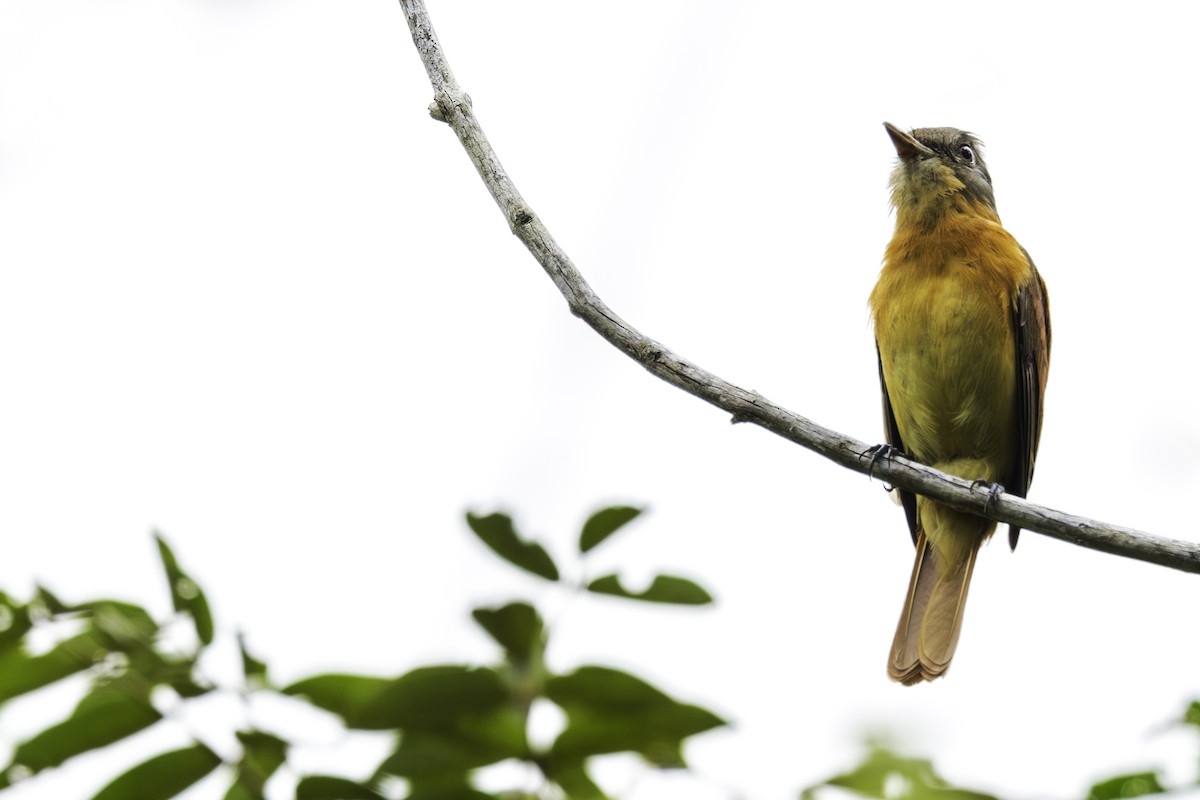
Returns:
(962, 332)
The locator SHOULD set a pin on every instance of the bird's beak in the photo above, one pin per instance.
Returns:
(906, 145)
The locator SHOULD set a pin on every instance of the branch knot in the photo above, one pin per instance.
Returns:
(446, 101)
(646, 352)
(519, 216)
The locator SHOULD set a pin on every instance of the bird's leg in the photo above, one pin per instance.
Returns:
(880, 452)
(994, 490)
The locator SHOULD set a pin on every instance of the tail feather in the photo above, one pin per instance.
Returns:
(932, 617)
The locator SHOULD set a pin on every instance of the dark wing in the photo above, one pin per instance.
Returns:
(1031, 321)
(907, 499)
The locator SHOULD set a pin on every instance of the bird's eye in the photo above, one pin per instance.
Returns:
(966, 154)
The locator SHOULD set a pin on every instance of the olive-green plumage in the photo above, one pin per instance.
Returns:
(962, 327)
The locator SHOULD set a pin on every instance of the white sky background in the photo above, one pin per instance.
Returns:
(253, 297)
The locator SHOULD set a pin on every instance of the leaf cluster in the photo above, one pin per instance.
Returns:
(884, 774)
(445, 721)
(134, 667)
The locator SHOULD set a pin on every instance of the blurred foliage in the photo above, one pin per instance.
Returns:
(443, 722)
(886, 775)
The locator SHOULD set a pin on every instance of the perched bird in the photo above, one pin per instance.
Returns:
(962, 327)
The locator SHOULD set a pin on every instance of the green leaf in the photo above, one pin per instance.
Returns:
(351, 697)
(470, 713)
(517, 628)
(881, 767)
(455, 791)
(441, 699)
(664, 589)
(1134, 785)
(186, 595)
(239, 791)
(497, 532)
(423, 755)
(254, 670)
(50, 601)
(176, 674)
(452, 719)
(472, 706)
(1192, 715)
(604, 523)
(324, 787)
(14, 622)
(163, 776)
(123, 626)
(610, 711)
(108, 714)
(575, 782)
(262, 754)
(21, 672)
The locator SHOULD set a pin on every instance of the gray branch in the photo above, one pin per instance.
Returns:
(453, 106)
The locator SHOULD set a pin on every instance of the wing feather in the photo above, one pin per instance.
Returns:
(907, 498)
(1031, 322)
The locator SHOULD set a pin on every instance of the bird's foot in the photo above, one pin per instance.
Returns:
(994, 490)
(880, 452)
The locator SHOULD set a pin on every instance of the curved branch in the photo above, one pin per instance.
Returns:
(453, 106)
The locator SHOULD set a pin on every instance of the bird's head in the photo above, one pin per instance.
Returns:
(940, 169)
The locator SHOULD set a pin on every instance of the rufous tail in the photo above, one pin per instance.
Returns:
(932, 616)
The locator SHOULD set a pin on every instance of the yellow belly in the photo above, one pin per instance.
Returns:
(948, 353)
(943, 324)
(949, 361)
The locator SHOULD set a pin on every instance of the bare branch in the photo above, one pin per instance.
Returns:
(453, 106)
